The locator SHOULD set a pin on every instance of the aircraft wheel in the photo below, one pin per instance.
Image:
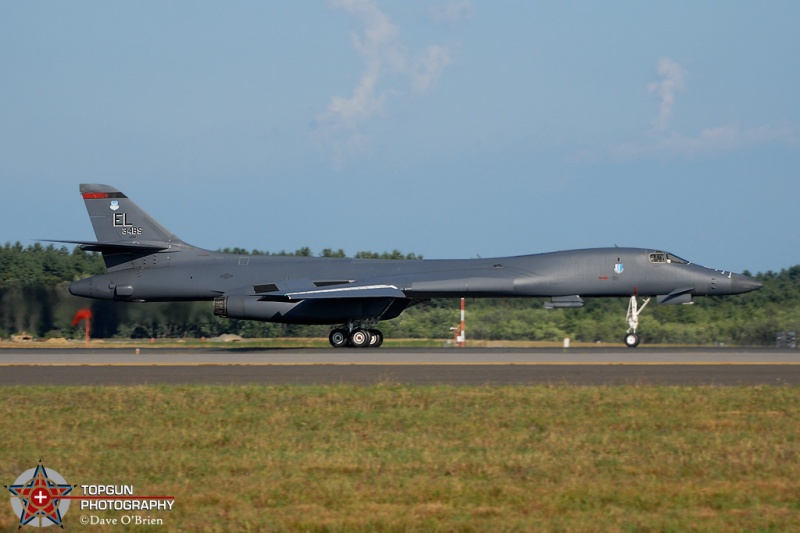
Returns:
(338, 338)
(360, 338)
(632, 340)
(376, 338)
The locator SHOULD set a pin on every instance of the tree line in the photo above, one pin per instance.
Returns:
(34, 299)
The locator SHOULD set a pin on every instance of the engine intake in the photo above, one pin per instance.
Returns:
(221, 306)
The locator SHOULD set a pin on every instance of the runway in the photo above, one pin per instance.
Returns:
(472, 366)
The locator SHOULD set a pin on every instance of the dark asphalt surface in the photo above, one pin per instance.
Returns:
(416, 367)
(405, 374)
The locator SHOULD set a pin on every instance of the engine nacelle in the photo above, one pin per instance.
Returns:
(250, 308)
(564, 302)
(314, 311)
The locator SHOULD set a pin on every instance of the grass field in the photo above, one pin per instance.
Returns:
(399, 458)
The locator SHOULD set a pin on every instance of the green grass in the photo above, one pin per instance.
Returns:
(399, 458)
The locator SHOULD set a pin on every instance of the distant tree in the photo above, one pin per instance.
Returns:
(328, 252)
(394, 255)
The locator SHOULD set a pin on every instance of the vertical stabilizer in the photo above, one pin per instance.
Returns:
(118, 221)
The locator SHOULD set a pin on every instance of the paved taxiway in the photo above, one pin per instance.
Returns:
(472, 366)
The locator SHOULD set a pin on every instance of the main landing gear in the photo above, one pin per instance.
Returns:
(355, 335)
(631, 338)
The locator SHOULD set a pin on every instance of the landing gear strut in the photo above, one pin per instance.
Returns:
(631, 338)
(357, 335)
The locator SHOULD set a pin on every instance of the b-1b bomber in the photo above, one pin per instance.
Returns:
(145, 262)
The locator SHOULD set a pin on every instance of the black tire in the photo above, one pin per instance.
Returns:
(360, 338)
(632, 340)
(338, 338)
(377, 338)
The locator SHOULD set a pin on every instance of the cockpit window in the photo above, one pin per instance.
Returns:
(675, 259)
(663, 257)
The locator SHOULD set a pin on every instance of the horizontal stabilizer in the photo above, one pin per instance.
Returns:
(116, 247)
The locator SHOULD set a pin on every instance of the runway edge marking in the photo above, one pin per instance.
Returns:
(412, 363)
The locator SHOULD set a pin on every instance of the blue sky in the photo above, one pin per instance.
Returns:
(449, 129)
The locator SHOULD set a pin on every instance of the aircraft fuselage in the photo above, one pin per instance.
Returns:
(599, 272)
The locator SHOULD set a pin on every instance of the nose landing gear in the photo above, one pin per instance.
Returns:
(631, 338)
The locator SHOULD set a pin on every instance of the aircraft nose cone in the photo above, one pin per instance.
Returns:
(741, 283)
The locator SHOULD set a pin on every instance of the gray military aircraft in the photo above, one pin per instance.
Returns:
(145, 262)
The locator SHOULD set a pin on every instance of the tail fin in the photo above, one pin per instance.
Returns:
(124, 230)
(119, 223)
(122, 227)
